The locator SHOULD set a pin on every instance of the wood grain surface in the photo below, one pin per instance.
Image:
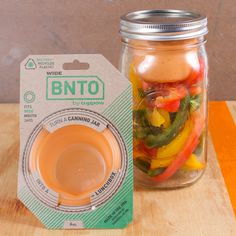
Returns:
(203, 209)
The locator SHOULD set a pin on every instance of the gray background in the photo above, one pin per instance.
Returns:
(91, 26)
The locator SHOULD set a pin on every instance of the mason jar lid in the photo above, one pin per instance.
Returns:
(163, 25)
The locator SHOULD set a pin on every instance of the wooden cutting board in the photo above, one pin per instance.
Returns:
(202, 209)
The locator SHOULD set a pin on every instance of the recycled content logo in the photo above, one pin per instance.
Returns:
(74, 88)
(30, 64)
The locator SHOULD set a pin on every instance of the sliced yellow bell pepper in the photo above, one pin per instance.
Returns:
(159, 117)
(136, 84)
(166, 116)
(176, 144)
(156, 118)
(157, 163)
(191, 164)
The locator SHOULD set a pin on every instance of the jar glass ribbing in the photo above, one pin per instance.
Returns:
(169, 79)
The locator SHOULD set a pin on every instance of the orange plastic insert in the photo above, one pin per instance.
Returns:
(75, 161)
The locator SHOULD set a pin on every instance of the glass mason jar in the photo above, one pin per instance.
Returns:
(163, 55)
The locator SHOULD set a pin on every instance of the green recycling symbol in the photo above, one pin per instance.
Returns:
(30, 64)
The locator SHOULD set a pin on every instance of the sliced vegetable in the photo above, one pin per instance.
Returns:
(192, 164)
(195, 90)
(175, 93)
(141, 93)
(136, 142)
(161, 162)
(137, 153)
(151, 152)
(142, 164)
(176, 144)
(164, 96)
(166, 116)
(156, 171)
(143, 132)
(196, 75)
(140, 117)
(195, 102)
(136, 84)
(199, 147)
(173, 130)
(157, 119)
(189, 147)
(172, 116)
(171, 106)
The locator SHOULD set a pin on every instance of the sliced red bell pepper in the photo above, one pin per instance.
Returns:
(152, 152)
(159, 87)
(195, 90)
(172, 106)
(171, 101)
(172, 94)
(166, 95)
(184, 154)
(196, 75)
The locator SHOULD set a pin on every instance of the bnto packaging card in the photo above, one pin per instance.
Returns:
(75, 168)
